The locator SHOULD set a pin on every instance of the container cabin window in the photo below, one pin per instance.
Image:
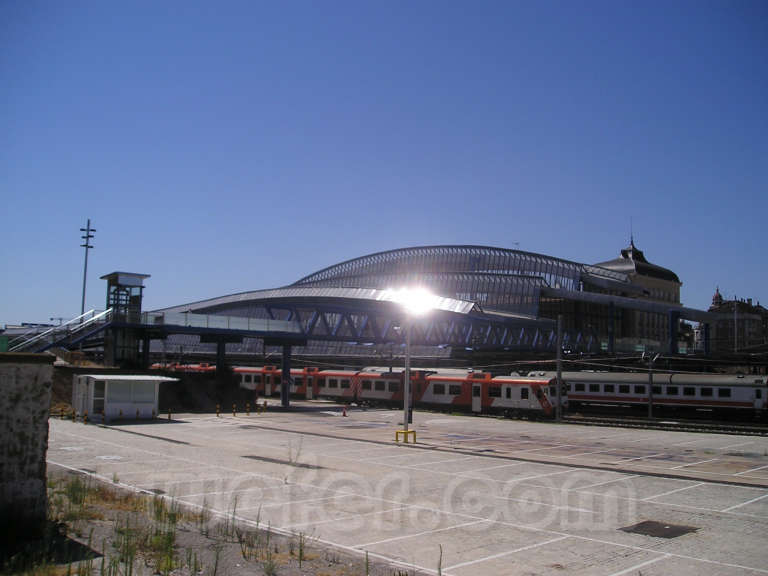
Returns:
(98, 396)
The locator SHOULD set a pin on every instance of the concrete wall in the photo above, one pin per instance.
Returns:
(25, 395)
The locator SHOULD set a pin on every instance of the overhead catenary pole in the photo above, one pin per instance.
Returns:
(558, 394)
(407, 378)
(87, 237)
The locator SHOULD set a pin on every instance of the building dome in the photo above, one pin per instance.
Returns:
(633, 261)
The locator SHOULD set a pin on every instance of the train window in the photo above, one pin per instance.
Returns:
(672, 391)
(321, 382)
(509, 392)
(454, 389)
(333, 383)
(568, 387)
(257, 378)
(594, 387)
(476, 391)
(706, 391)
(523, 393)
(380, 385)
(609, 388)
(438, 389)
(298, 381)
(689, 391)
(640, 389)
(247, 378)
(657, 389)
(366, 384)
(623, 388)
(345, 383)
(579, 387)
(723, 392)
(394, 386)
(553, 391)
(494, 392)
(758, 393)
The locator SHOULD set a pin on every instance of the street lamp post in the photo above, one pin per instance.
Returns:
(407, 380)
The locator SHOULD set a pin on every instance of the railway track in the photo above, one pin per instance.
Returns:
(678, 425)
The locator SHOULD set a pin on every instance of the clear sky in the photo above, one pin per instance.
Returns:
(231, 146)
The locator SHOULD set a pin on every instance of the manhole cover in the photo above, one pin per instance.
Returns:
(659, 529)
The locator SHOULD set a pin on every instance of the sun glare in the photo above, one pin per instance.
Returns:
(417, 301)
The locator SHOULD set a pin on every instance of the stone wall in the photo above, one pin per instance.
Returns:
(25, 395)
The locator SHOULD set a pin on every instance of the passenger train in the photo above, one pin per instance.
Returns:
(717, 393)
(533, 394)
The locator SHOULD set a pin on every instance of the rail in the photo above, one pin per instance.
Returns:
(677, 425)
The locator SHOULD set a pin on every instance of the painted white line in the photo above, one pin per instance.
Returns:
(688, 442)
(345, 518)
(545, 475)
(445, 461)
(289, 502)
(745, 503)
(608, 482)
(163, 483)
(540, 503)
(595, 452)
(393, 539)
(735, 445)
(217, 492)
(507, 553)
(752, 470)
(694, 463)
(624, 460)
(673, 491)
(638, 566)
(510, 465)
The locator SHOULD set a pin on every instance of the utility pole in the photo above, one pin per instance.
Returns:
(87, 237)
(559, 393)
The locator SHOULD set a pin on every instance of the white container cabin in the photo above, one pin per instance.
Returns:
(117, 395)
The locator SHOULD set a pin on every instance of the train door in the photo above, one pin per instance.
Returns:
(310, 384)
(477, 397)
(758, 398)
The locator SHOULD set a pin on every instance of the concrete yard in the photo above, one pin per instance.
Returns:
(498, 496)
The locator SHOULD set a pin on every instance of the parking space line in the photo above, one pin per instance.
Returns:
(394, 538)
(540, 503)
(292, 502)
(631, 569)
(735, 445)
(445, 461)
(608, 482)
(752, 470)
(507, 553)
(511, 464)
(694, 463)
(625, 460)
(745, 503)
(589, 453)
(547, 448)
(344, 518)
(672, 491)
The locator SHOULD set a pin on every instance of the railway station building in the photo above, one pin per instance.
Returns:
(627, 304)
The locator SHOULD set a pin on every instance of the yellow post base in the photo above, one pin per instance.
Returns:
(405, 434)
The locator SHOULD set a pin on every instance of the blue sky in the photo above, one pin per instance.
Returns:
(231, 146)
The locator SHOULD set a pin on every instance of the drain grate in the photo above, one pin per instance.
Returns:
(659, 529)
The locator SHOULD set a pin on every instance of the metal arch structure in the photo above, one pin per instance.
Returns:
(495, 278)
